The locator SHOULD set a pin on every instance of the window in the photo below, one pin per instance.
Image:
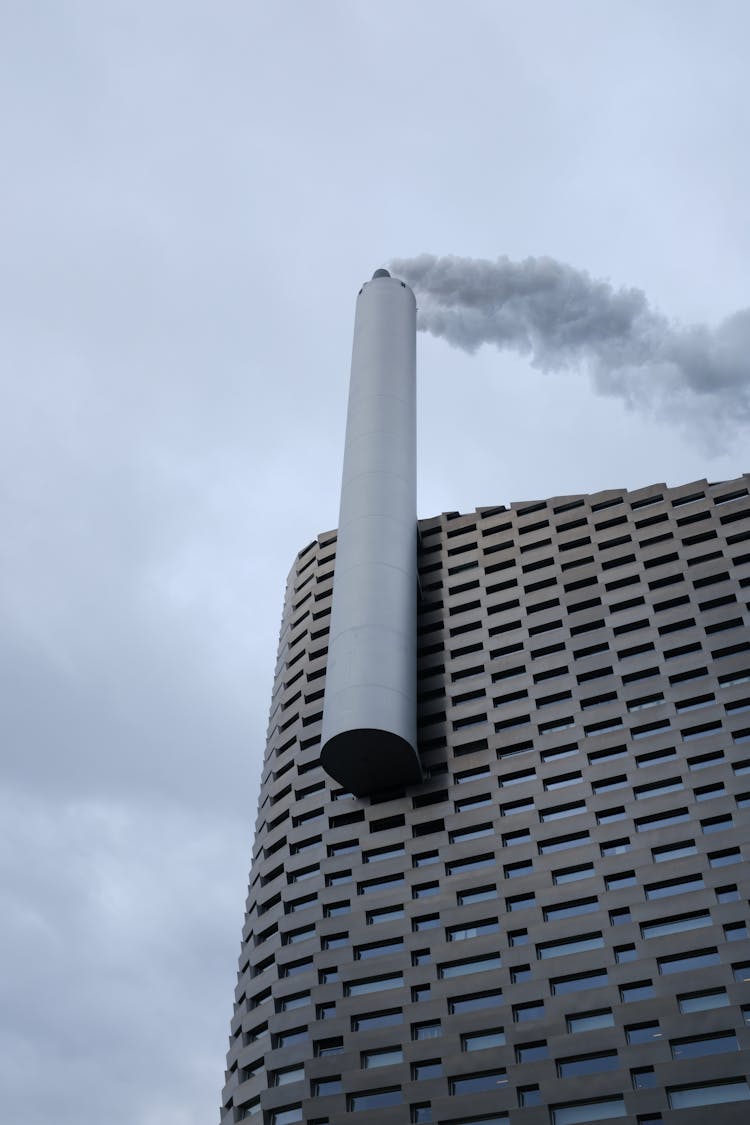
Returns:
(326, 1047)
(735, 931)
(331, 1084)
(561, 843)
(482, 1040)
(372, 886)
(389, 1018)
(459, 866)
(595, 978)
(476, 1001)
(529, 1095)
(426, 922)
(420, 1112)
(510, 839)
(571, 909)
(477, 894)
(616, 847)
(625, 953)
(620, 879)
(646, 1032)
(427, 1068)
(636, 990)
(572, 874)
(565, 946)
(530, 1052)
(590, 1021)
(294, 1035)
(721, 859)
(710, 1093)
(479, 1082)
(601, 1109)
(453, 969)
(681, 962)
(673, 886)
(363, 952)
(375, 1099)
(676, 924)
(514, 870)
(287, 1075)
(483, 926)
(643, 1078)
(373, 984)
(428, 1029)
(668, 852)
(525, 1013)
(385, 914)
(287, 1116)
(520, 902)
(703, 1000)
(661, 820)
(695, 1046)
(578, 1065)
(559, 812)
(424, 890)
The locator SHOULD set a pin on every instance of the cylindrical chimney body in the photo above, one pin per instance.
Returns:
(369, 739)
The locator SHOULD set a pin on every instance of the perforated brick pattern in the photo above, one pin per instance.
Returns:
(558, 913)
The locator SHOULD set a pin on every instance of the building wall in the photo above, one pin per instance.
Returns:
(571, 874)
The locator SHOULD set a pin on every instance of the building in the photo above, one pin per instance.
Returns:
(551, 926)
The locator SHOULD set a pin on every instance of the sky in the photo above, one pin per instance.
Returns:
(190, 197)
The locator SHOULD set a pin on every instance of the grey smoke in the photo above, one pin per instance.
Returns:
(563, 319)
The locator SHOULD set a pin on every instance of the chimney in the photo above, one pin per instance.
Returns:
(369, 740)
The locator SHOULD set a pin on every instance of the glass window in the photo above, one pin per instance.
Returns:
(590, 1021)
(529, 1095)
(704, 1000)
(674, 886)
(569, 945)
(385, 914)
(373, 984)
(427, 1068)
(647, 1032)
(695, 1046)
(636, 990)
(711, 1093)
(571, 909)
(561, 843)
(287, 1116)
(595, 978)
(328, 1085)
(477, 894)
(474, 965)
(572, 874)
(668, 852)
(388, 1056)
(429, 1029)
(681, 962)
(574, 1113)
(492, 1080)
(524, 1013)
(530, 1052)
(481, 1040)
(677, 924)
(476, 1001)
(375, 1099)
(643, 1078)
(587, 1064)
(377, 1019)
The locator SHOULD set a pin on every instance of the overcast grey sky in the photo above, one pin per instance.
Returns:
(190, 197)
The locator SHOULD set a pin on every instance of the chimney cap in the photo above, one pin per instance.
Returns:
(380, 273)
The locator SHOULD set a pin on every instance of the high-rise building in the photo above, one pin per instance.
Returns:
(551, 925)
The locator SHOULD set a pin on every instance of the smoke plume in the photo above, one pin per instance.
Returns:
(563, 319)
